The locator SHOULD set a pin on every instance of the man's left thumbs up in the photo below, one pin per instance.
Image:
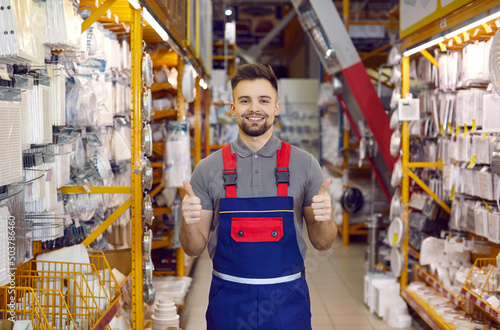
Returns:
(322, 203)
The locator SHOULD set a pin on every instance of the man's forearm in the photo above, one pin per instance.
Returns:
(192, 240)
(322, 234)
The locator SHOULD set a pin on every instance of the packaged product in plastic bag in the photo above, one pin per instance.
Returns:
(178, 154)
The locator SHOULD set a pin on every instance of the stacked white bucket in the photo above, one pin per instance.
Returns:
(165, 316)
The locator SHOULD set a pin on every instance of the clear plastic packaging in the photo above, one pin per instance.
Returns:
(121, 143)
(78, 156)
(81, 103)
(178, 154)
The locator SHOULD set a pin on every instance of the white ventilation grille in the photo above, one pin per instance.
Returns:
(25, 123)
(35, 117)
(10, 143)
(58, 87)
(47, 113)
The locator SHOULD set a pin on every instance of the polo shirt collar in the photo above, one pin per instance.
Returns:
(268, 150)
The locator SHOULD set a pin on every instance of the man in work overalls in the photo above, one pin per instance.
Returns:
(247, 203)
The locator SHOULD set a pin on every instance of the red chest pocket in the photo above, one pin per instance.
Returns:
(256, 229)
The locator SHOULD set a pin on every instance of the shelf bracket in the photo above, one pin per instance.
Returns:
(438, 164)
(103, 226)
(375, 52)
(422, 185)
(155, 191)
(157, 211)
(100, 11)
(95, 190)
(428, 56)
(157, 164)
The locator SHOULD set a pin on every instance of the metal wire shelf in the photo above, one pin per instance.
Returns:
(64, 295)
(478, 286)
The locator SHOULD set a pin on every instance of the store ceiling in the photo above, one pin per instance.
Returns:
(255, 18)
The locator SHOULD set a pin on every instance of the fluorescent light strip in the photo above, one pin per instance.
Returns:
(154, 24)
(135, 4)
(423, 46)
(472, 25)
(451, 34)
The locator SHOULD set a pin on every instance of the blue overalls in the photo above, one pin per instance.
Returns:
(258, 278)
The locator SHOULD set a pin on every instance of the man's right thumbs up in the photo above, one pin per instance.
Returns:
(191, 205)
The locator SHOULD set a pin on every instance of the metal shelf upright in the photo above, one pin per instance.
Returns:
(136, 128)
(405, 159)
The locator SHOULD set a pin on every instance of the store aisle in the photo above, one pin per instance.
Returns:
(335, 279)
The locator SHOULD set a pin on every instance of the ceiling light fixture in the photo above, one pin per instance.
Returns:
(135, 4)
(155, 25)
(473, 25)
(423, 46)
(228, 12)
(451, 34)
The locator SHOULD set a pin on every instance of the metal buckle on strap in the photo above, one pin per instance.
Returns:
(246, 280)
(282, 175)
(229, 178)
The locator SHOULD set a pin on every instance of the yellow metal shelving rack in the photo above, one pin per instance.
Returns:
(135, 190)
(476, 7)
(407, 170)
(120, 15)
(133, 18)
(460, 15)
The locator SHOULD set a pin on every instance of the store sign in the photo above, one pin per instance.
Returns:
(415, 14)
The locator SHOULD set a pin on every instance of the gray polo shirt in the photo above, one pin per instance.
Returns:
(256, 178)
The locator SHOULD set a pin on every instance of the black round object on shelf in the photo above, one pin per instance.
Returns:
(352, 200)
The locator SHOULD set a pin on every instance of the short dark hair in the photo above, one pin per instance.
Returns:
(252, 72)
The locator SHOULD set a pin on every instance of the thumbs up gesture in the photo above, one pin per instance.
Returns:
(322, 204)
(191, 205)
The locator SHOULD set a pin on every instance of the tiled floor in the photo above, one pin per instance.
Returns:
(335, 280)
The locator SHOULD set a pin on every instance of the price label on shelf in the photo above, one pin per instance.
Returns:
(472, 162)
(442, 23)
(466, 36)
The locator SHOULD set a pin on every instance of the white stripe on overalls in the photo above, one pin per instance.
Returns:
(246, 280)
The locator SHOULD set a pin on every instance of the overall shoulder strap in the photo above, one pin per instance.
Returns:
(229, 173)
(282, 172)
